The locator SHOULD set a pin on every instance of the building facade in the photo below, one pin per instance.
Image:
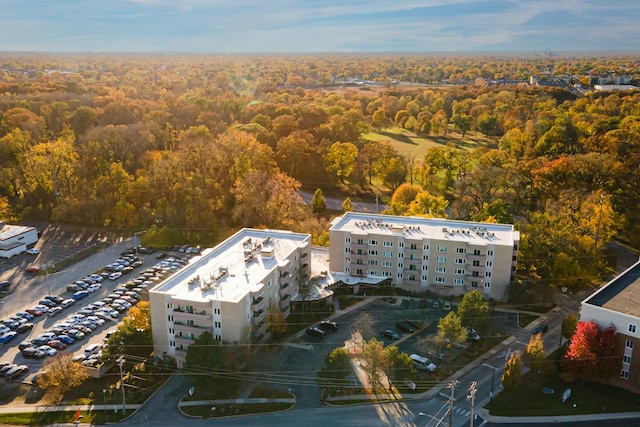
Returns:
(419, 254)
(229, 290)
(617, 304)
(16, 239)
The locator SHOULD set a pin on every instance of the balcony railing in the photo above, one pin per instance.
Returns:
(259, 316)
(201, 316)
(257, 301)
(191, 329)
(184, 340)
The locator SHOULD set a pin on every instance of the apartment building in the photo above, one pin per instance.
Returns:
(617, 304)
(419, 254)
(229, 290)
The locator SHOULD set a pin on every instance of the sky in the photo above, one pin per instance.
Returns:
(318, 26)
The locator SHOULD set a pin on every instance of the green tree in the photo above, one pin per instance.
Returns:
(497, 212)
(380, 119)
(318, 204)
(450, 330)
(474, 311)
(336, 369)
(534, 352)
(204, 358)
(61, 374)
(512, 376)
(402, 368)
(277, 321)
(428, 205)
(377, 361)
(463, 122)
(346, 205)
(340, 159)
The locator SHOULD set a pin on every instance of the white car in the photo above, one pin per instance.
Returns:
(49, 351)
(96, 277)
(33, 251)
(94, 287)
(115, 276)
(95, 320)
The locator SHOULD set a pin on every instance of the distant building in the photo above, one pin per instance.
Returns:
(617, 304)
(229, 290)
(601, 88)
(424, 254)
(15, 239)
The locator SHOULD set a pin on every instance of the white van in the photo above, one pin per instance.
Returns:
(92, 349)
(422, 363)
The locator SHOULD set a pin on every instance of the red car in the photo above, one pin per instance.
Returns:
(57, 344)
(32, 269)
(34, 311)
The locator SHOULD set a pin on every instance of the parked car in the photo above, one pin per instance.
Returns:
(32, 269)
(25, 315)
(14, 373)
(5, 368)
(315, 332)
(422, 363)
(47, 302)
(34, 311)
(24, 328)
(79, 295)
(415, 324)
(94, 287)
(404, 327)
(388, 333)
(5, 338)
(115, 276)
(33, 353)
(54, 298)
(48, 350)
(24, 344)
(33, 251)
(328, 325)
(57, 344)
(66, 339)
(472, 335)
(67, 303)
(76, 334)
(4, 284)
(55, 311)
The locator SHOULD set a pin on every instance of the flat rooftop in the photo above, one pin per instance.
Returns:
(9, 231)
(230, 270)
(476, 233)
(622, 294)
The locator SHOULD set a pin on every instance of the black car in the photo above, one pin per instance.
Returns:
(47, 302)
(388, 333)
(404, 327)
(328, 325)
(541, 329)
(24, 344)
(315, 332)
(33, 353)
(54, 298)
(4, 284)
(24, 328)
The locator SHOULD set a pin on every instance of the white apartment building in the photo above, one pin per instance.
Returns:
(229, 290)
(414, 253)
(617, 304)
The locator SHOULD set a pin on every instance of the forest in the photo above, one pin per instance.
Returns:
(190, 147)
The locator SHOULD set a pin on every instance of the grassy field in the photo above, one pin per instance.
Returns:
(410, 145)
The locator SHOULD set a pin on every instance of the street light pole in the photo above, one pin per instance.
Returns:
(124, 399)
(104, 400)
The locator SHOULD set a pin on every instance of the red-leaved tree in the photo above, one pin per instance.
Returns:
(591, 354)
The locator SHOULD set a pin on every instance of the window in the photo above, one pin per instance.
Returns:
(387, 243)
(476, 252)
(474, 284)
(216, 311)
(347, 260)
(413, 246)
(347, 240)
(399, 275)
(401, 244)
(441, 259)
(360, 252)
(346, 269)
(624, 374)
(347, 250)
(400, 265)
(386, 263)
(373, 262)
(461, 250)
(439, 279)
(425, 267)
(217, 324)
(425, 278)
(487, 285)
(425, 257)
(413, 267)
(626, 359)
(487, 274)
(360, 241)
(170, 318)
(440, 269)
(169, 305)
(372, 273)
(412, 277)
(628, 344)
(388, 254)
(373, 252)
(442, 248)
(489, 253)
(359, 272)
(514, 258)
(373, 242)
(632, 328)
(476, 263)
(386, 273)
(172, 331)
(458, 282)
(359, 262)
(269, 284)
(425, 247)
(459, 260)
(489, 263)
(460, 271)
(400, 254)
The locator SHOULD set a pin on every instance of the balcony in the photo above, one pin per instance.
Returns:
(284, 274)
(200, 316)
(259, 316)
(184, 341)
(472, 257)
(191, 329)
(257, 302)
(285, 309)
(304, 255)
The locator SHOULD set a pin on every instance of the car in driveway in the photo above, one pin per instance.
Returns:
(388, 333)
(540, 329)
(328, 325)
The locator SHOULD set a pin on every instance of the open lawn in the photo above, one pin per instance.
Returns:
(589, 398)
(410, 145)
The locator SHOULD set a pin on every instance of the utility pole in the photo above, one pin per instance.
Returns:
(472, 397)
(452, 385)
(124, 399)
